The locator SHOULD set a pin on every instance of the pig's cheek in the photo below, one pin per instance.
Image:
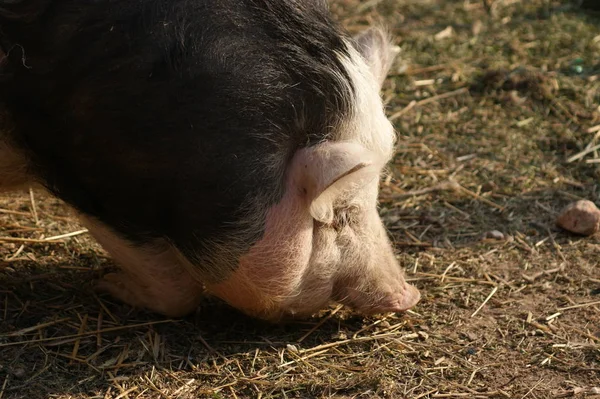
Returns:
(272, 271)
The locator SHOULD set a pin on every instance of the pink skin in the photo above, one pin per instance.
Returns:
(154, 277)
(300, 265)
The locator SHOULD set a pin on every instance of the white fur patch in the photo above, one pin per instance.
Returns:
(367, 124)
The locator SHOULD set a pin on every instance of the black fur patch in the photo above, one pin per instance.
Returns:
(171, 118)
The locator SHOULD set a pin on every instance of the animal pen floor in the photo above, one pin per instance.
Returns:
(497, 113)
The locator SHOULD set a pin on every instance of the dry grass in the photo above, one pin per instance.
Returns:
(497, 107)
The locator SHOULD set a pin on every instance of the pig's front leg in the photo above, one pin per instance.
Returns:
(13, 166)
(151, 277)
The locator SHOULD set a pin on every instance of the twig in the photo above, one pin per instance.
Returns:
(413, 244)
(4, 386)
(443, 96)
(580, 305)
(447, 185)
(85, 334)
(450, 266)
(485, 301)
(30, 240)
(355, 335)
(33, 207)
(78, 342)
(303, 358)
(35, 328)
(347, 341)
(583, 153)
(414, 104)
(456, 279)
(320, 323)
(532, 388)
(532, 278)
(404, 110)
(593, 129)
(425, 393)
(11, 212)
(478, 197)
(126, 393)
(54, 239)
(72, 234)
(210, 348)
(556, 246)
(586, 334)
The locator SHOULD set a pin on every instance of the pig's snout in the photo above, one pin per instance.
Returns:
(376, 292)
(375, 283)
(368, 302)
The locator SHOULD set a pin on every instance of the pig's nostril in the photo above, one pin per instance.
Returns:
(379, 301)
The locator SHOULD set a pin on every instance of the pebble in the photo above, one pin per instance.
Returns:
(18, 372)
(580, 217)
(494, 235)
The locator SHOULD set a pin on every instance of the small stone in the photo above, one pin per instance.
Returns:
(476, 27)
(385, 324)
(494, 235)
(471, 351)
(578, 69)
(580, 217)
(471, 336)
(18, 372)
(444, 34)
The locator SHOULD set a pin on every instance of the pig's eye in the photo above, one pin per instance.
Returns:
(344, 217)
(340, 221)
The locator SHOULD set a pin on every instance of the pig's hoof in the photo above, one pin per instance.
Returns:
(119, 286)
(169, 300)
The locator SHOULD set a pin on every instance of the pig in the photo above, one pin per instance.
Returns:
(230, 148)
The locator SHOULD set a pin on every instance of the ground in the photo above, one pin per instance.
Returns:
(496, 107)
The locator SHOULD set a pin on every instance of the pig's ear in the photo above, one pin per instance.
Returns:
(377, 50)
(334, 170)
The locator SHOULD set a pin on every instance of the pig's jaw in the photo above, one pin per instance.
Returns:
(272, 270)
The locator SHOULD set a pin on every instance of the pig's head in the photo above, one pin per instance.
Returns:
(324, 240)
